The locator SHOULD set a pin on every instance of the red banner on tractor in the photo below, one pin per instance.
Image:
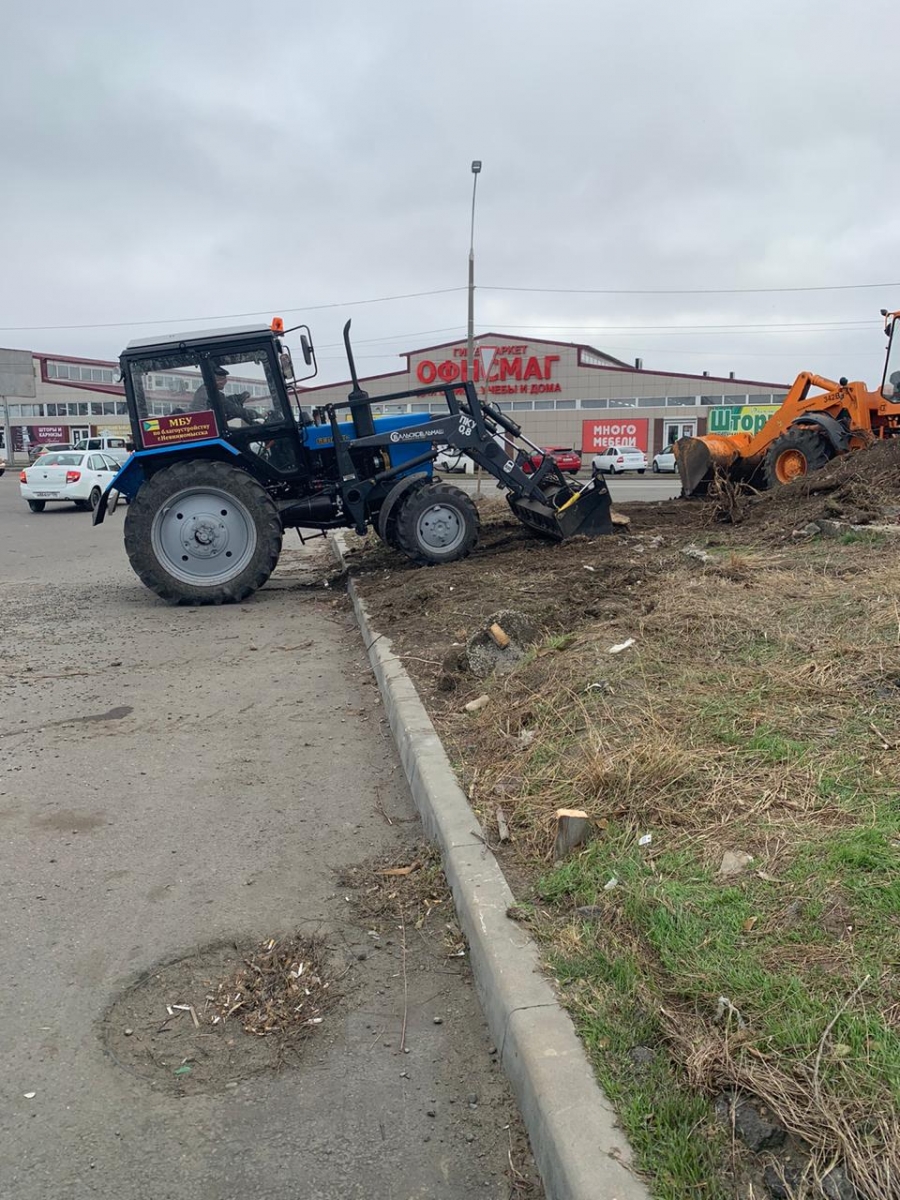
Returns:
(182, 427)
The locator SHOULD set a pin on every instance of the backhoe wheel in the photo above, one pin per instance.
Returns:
(794, 454)
(202, 532)
(437, 523)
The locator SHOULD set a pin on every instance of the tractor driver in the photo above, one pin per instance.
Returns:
(232, 404)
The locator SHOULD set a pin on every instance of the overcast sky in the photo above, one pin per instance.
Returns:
(198, 160)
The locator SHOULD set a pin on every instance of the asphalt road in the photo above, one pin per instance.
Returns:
(621, 487)
(170, 778)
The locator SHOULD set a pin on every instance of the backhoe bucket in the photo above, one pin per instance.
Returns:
(566, 511)
(698, 458)
(695, 466)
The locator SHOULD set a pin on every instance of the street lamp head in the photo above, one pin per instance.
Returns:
(476, 166)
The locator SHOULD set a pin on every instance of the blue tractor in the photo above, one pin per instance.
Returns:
(227, 457)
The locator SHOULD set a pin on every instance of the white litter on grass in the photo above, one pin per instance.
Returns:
(725, 1006)
(29, 1095)
(525, 738)
(475, 705)
(610, 884)
(645, 840)
(587, 568)
(626, 645)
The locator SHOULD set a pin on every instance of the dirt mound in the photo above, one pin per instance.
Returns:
(862, 488)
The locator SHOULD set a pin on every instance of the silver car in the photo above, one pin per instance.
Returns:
(616, 459)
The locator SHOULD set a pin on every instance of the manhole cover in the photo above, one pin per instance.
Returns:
(211, 1019)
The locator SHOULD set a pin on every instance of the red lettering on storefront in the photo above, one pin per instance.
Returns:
(548, 359)
(448, 371)
(426, 371)
(510, 368)
(532, 369)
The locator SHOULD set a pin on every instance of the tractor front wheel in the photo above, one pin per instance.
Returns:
(437, 523)
(796, 453)
(202, 532)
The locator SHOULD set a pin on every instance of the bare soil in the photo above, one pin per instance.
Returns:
(756, 710)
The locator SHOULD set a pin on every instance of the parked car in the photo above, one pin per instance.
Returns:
(2, 464)
(665, 460)
(616, 459)
(450, 461)
(70, 477)
(35, 452)
(118, 448)
(565, 458)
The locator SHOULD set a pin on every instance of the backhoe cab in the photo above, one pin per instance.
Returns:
(890, 384)
(227, 457)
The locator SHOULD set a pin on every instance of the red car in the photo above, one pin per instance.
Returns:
(565, 457)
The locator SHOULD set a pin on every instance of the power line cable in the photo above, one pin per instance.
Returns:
(834, 287)
(228, 316)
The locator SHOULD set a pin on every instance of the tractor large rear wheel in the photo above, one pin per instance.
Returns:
(437, 523)
(795, 454)
(202, 533)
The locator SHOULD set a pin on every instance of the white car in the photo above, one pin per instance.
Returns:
(451, 461)
(616, 459)
(69, 477)
(665, 460)
(115, 448)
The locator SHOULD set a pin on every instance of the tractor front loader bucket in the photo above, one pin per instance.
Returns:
(565, 511)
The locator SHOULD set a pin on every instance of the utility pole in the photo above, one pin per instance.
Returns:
(7, 431)
(470, 346)
(470, 356)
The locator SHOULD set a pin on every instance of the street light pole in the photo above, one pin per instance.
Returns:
(470, 354)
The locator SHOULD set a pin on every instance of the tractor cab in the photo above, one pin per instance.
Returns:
(229, 385)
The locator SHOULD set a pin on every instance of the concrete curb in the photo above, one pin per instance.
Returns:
(580, 1151)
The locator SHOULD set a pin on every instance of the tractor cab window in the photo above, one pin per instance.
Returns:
(165, 386)
(247, 389)
(890, 389)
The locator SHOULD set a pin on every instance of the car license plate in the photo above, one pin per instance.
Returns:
(45, 495)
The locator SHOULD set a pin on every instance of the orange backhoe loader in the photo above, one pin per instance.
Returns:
(804, 433)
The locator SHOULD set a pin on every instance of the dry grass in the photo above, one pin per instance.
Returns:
(757, 711)
(282, 989)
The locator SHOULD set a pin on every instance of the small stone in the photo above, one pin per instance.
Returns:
(734, 862)
(362, 956)
(129, 1032)
(470, 1137)
(641, 1056)
(837, 1186)
(431, 1112)
(438, 1020)
(780, 1183)
(492, 1049)
(754, 1129)
(472, 1098)
(231, 1085)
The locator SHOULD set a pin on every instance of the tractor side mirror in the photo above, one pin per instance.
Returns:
(306, 347)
